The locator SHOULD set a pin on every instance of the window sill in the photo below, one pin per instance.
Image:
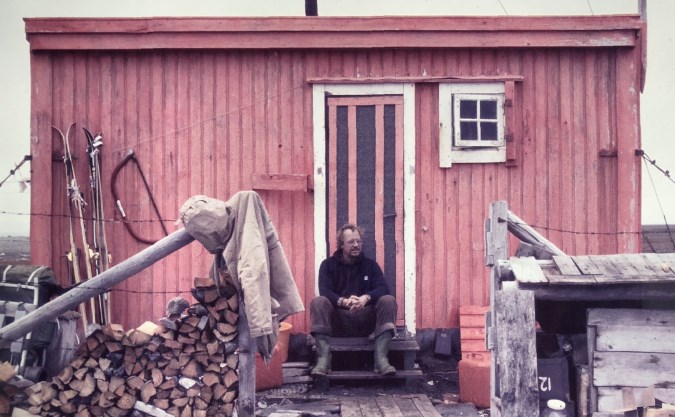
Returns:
(474, 156)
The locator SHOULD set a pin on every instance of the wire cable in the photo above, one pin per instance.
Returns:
(658, 200)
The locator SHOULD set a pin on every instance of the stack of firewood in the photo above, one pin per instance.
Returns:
(186, 366)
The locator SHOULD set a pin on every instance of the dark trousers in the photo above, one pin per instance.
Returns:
(373, 319)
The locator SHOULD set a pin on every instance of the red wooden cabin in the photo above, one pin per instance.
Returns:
(409, 126)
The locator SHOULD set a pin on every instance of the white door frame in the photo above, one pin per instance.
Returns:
(407, 90)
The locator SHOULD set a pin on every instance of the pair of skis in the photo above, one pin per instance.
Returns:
(97, 256)
(102, 258)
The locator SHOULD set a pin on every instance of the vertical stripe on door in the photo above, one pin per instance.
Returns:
(400, 255)
(366, 172)
(389, 215)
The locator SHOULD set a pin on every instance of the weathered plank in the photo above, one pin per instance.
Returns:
(358, 344)
(635, 339)
(388, 406)
(369, 407)
(566, 265)
(524, 232)
(615, 291)
(400, 373)
(633, 369)
(611, 398)
(631, 317)
(280, 182)
(633, 268)
(637, 263)
(527, 270)
(423, 404)
(631, 279)
(516, 353)
(592, 389)
(247, 351)
(633, 330)
(554, 279)
(608, 268)
(658, 263)
(586, 265)
(407, 406)
(349, 407)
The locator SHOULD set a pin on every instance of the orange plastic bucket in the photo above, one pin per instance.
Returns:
(283, 340)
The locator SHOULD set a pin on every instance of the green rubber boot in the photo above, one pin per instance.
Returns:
(323, 355)
(381, 354)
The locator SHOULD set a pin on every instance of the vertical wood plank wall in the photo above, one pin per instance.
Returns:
(204, 122)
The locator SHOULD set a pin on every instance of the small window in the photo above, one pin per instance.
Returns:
(471, 123)
(478, 123)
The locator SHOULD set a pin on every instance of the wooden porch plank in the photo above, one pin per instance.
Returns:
(407, 406)
(631, 279)
(571, 279)
(639, 263)
(526, 269)
(656, 263)
(566, 265)
(369, 407)
(425, 407)
(349, 407)
(388, 406)
(606, 266)
(586, 265)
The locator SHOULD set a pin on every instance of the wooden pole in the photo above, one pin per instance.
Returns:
(97, 285)
(524, 232)
(496, 249)
(247, 349)
(517, 354)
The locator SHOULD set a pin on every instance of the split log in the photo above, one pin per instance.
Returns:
(187, 372)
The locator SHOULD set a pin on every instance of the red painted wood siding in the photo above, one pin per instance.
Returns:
(204, 122)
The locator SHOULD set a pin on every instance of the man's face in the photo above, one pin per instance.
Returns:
(351, 244)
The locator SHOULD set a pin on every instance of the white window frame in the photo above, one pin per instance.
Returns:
(479, 142)
(455, 151)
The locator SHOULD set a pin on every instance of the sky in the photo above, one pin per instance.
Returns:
(658, 138)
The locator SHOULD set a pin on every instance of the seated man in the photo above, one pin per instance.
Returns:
(353, 301)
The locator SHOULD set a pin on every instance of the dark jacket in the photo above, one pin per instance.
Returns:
(337, 279)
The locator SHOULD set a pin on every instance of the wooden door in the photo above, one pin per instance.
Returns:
(365, 180)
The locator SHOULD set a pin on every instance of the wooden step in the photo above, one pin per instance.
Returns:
(400, 374)
(360, 344)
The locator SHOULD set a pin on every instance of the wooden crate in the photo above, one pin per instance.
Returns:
(630, 351)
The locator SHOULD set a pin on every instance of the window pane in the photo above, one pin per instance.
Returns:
(467, 109)
(468, 131)
(488, 131)
(488, 110)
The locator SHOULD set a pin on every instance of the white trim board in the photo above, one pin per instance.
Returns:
(407, 90)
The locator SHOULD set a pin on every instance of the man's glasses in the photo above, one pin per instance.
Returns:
(354, 242)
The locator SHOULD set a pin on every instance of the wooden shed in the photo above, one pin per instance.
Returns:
(409, 126)
(614, 312)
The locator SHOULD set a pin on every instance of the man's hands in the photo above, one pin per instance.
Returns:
(355, 303)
